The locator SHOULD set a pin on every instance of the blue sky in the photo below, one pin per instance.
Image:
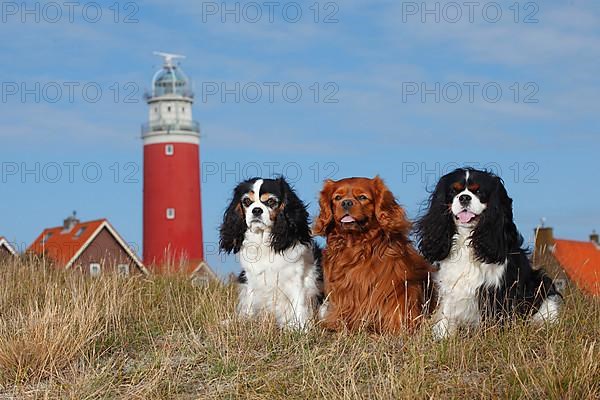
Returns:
(362, 67)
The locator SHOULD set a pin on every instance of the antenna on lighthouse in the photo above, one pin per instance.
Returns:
(169, 57)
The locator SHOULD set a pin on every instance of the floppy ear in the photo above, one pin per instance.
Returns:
(325, 219)
(389, 214)
(435, 230)
(496, 234)
(234, 226)
(291, 224)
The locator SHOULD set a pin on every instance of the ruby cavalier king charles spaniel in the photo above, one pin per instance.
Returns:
(375, 280)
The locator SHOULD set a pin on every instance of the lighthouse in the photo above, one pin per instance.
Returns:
(172, 204)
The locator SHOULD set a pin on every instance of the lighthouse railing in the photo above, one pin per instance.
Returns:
(168, 91)
(172, 127)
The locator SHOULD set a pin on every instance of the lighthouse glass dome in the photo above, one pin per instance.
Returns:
(171, 80)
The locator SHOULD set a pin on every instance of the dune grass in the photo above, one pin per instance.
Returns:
(63, 335)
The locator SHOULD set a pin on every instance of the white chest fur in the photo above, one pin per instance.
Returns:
(260, 261)
(282, 283)
(458, 280)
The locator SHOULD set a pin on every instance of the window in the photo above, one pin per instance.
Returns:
(182, 109)
(170, 213)
(169, 109)
(123, 269)
(169, 149)
(561, 284)
(46, 237)
(80, 231)
(95, 270)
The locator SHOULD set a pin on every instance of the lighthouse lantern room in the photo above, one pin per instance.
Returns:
(172, 204)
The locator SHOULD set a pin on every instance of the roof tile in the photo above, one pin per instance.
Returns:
(61, 245)
(581, 262)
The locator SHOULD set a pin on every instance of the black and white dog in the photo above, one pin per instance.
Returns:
(484, 272)
(267, 224)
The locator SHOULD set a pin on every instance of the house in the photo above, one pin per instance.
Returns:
(6, 250)
(94, 247)
(569, 261)
(203, 274)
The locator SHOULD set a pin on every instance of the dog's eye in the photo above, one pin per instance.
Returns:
(337, 198)
(272, 203)
(246, 202)
(362, 197)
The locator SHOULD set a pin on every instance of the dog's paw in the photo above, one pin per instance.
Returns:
(324, 309)
(548, 312)
(441, 329)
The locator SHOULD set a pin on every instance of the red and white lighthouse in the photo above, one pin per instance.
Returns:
(172, 204)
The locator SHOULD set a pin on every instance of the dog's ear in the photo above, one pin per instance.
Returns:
(496, 234)
(324, 221)
(291, 224)
(436, 228)
(234, 225)
(389, 214)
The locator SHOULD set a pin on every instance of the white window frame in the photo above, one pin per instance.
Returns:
(80, 231)
(169, 149)
(123, 269)
(170, 213)
(46, 237)
(95, 270)
(561, 284)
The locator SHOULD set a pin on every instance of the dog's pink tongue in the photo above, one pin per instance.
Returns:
(465, 216)
(347, 219)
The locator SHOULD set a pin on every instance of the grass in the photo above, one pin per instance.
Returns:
(63, 335)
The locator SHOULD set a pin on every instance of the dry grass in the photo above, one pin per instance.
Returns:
(66, 336)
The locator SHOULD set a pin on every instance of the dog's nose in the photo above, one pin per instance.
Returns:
(347, 204)
(465, 199)
(257, 211)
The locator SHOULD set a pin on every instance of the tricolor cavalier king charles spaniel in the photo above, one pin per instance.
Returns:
(484, 272)
(374, 277)
(267, 224)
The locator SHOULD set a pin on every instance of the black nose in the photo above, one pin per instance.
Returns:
(464, 199)
(257, 211)
(347, 204)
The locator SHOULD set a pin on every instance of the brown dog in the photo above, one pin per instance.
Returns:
(374, 277)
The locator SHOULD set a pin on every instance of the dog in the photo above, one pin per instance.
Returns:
(484, 272)
(267, 224)
(374, 277)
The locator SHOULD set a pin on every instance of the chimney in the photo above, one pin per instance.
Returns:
(70, 222)
(594, 238)
(544, 242)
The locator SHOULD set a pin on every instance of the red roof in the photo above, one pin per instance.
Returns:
(61, 245)
(581, 262)
(64, 246)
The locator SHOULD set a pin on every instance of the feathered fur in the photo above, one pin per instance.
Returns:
(484, 271)
(267, 224)
(374, 278)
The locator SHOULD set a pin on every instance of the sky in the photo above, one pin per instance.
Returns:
(312, 90)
